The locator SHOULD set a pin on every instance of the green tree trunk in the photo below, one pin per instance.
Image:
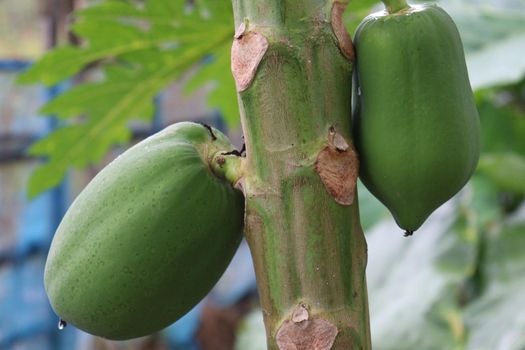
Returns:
(292, 62)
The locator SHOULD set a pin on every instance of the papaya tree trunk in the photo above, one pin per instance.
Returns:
(292, 63)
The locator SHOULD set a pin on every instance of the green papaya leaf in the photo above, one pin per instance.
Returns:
(224, 93)
(140, 50)
(56, 66)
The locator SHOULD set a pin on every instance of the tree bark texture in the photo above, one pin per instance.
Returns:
(292, 62)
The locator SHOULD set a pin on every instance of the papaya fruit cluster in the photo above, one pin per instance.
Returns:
(147, 238)
(416, 126)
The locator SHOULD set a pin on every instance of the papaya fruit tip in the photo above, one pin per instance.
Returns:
(62, 324)
(408, 233)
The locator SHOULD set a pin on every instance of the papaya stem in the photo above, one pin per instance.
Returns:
(292, 63)
(227, 166)
(393, 6)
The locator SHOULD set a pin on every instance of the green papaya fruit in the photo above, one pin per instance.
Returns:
(416, 125)
(148, 237)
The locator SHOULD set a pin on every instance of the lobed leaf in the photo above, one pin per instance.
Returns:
(224, 93)
(141, 50)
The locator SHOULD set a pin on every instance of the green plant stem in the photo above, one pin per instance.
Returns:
(307, 249)
(393, 6)
(227, 166)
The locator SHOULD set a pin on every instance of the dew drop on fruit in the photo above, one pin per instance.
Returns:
(62, 324)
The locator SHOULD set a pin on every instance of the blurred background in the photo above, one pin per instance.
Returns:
(459, 283)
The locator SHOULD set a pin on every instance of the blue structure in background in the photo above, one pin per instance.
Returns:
(26, 319)
(13, 66)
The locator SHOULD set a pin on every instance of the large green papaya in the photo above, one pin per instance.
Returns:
(147, 238)
(416, 125)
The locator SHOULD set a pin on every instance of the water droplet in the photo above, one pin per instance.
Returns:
(62, 324)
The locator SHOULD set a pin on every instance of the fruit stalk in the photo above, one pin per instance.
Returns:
(292, 62)
(393, 6)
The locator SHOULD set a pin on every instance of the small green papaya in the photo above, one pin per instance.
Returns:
(416, 125)
(147, 238)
